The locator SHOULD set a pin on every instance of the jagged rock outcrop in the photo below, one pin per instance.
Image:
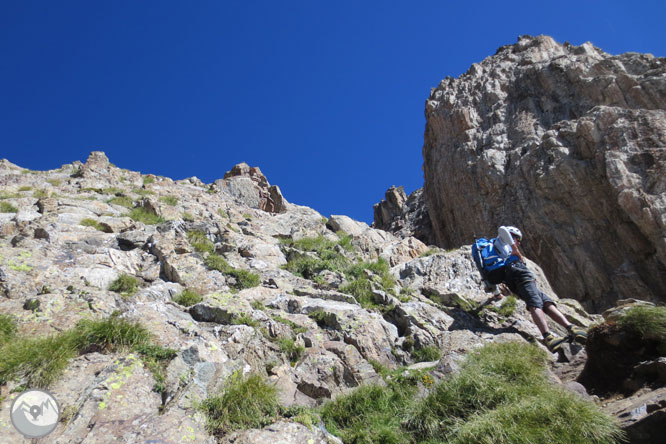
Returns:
(404, 215)
(248, 185)
(568, 143)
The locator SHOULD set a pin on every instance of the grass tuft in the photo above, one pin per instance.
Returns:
(243, 278)
(217, 262)
(294, 326)
(507, 308)
(88, 222)
(501, 394)
(126, 285)
(243, 404)
(123, 201)
(140, 214)
(427, 354)
(7, 328)
(188, 298)
(244, 319)
(40, 194)
(6, 207)
(38, 362)
(112, 333)
(143, 192)
(361, 277)
(370, 414)
(293, 351)
(648, 321)
(326, 256)
(200, 241)
(169, 200)
(156, 359)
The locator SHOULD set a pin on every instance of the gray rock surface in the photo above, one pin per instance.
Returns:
(568, 143)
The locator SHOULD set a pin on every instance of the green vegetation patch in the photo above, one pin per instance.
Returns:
(88, 222)
(427, 354)
(169, 200)
(293, 351)
(244, 319)
(200, 241)
(39, 361)
(244, 403)
(147, 180)
(310, 256)
(188, 298)
(111, 334)
(156, 358)
(647, 321)
(507, 308)
(257, 305)
(143, 192)
(7, 328)
(25, 188)
(501, 394)
(294, 326)
(40, 194)
(361, 282)
(126, 285)
(112, 190)
(243, 278)
(323, 255)
(6, 207)
(371, 414)
(140, 214)
(123, 201)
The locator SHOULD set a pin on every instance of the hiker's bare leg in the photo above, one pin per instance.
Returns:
(551, 310)
(539, 319)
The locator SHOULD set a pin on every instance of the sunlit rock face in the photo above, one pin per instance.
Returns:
(568, 143)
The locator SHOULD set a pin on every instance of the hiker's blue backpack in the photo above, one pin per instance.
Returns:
(488, 261)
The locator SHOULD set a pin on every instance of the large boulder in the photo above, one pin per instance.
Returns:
(566, 142)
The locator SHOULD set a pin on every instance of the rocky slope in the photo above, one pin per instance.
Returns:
(566, 142)
(67, 235)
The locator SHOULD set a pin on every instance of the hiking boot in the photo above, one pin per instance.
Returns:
(577, 334)
(554, 343)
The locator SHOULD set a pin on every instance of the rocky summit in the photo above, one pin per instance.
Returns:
(568, 143)
(164, 311)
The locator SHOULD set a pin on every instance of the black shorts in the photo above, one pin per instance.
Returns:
(522, 282)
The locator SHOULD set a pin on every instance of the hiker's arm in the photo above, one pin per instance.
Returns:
(517, 252)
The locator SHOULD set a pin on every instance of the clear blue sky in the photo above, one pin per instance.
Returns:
(327, 98)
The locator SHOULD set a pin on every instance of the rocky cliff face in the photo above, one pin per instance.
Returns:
(404, 215)
(568, 143)
(267, 295)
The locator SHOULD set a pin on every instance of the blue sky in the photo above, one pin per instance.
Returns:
(327, 98)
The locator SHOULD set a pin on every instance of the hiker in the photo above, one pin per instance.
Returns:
(521, 281)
